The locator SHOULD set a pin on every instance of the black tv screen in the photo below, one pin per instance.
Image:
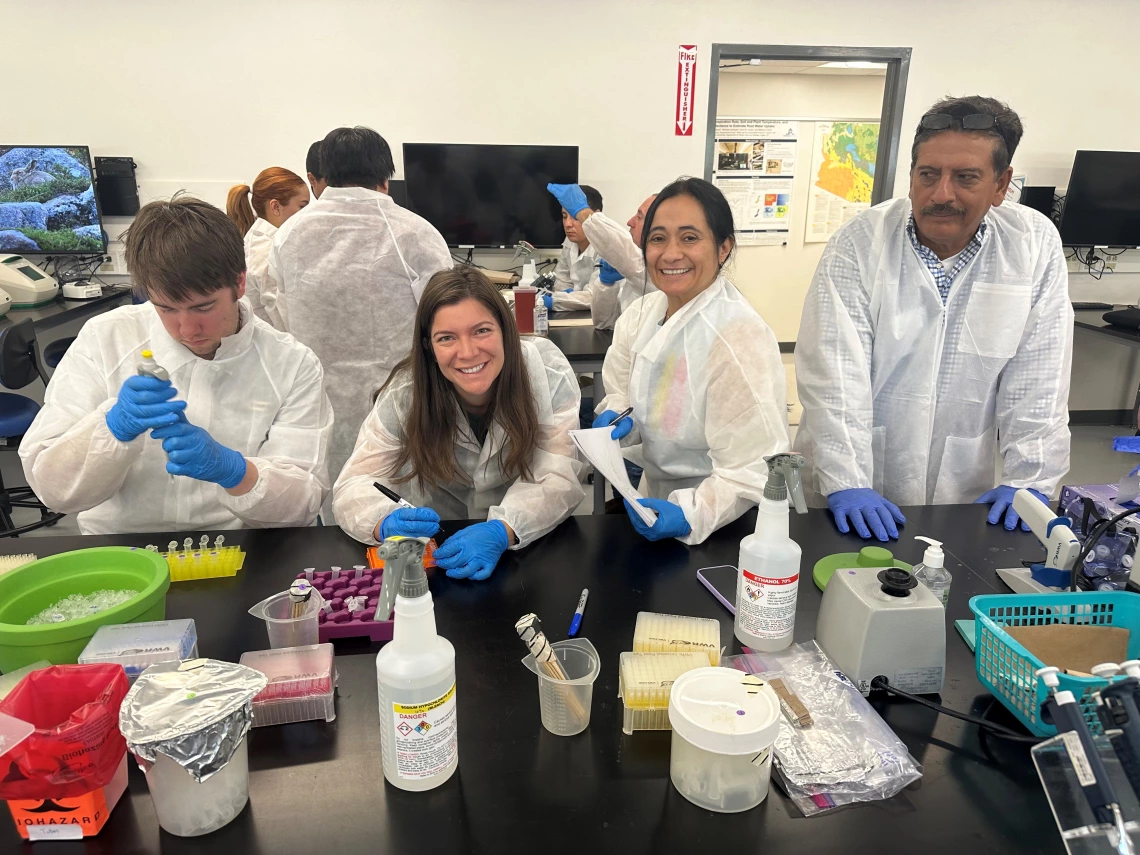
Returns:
(1102, 204)
(489, 195)
(47, 201)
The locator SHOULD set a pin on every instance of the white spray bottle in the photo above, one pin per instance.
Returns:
(415, 678)
(769, 567)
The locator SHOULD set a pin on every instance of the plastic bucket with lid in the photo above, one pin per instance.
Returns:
(724, 724)
(28, 590)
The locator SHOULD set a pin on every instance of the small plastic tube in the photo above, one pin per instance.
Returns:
(359, 568)
(309, 572)
(218, 541)
(172, 546)
(335, 572)
(188, 544)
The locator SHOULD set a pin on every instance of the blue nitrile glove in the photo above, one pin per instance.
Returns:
(474, 551)
(144, 403)
(621, 429)
(671, 520)
(192, 452)
(548, 301)
(1001, 498)
(608, 273)
(409, 522)
(569, 196)
(867, 511)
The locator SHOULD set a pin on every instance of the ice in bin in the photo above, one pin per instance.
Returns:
(137, 646)
(302, 682)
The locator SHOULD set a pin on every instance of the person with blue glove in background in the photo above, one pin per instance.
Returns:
(937, 337)
(578, 262)
(243, 424)
(701, 370)
(622, 278)
(474, 424)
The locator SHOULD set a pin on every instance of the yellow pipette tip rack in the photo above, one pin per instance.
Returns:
(658, 633)
(644, 683)
(209, 563)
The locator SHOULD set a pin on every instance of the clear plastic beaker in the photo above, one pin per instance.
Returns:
(565, 704)
(284, 629)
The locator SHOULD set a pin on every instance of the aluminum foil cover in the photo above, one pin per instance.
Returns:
(195, 712)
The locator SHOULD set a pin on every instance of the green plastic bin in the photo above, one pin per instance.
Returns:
(30, 589)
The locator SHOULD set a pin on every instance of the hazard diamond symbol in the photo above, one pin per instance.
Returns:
(403, 728)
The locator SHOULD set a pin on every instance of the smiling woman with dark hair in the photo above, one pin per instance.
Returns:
(473, 423)
(701, 370)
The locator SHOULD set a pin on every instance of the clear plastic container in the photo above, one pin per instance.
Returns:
(565, 704)
(13, 731)
(302, 684)
(12, 679)
(644, 681)
(188, 808)
(137, 646)
(658, 633)
(724, 725)
(284, 629)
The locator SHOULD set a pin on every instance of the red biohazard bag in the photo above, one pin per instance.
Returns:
(76, 746)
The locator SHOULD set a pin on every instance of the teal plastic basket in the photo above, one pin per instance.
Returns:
(1008, 670)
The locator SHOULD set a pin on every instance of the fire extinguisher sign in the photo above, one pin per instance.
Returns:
(686, 80)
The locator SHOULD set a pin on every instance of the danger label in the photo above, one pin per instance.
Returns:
(426, 736)
(766, 607)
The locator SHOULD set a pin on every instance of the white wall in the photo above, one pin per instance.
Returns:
(204, 95)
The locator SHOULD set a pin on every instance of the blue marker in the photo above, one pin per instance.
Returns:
(576, 621)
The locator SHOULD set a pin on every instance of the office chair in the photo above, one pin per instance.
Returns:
(19, 367)
(54, 352)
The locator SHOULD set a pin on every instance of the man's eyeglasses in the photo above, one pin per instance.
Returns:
(972, 122)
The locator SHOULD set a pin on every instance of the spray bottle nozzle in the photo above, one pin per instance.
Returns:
(404, 559)
(784, 476)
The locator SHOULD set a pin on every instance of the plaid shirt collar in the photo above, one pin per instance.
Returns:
(945, 278)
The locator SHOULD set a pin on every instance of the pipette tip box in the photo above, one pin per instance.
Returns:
(644, 683)
(658, 633)
(302, 684)
(137, 646)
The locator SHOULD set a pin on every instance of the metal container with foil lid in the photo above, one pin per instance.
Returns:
(195, 712)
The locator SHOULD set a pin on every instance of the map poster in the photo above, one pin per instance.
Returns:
(761, 208)
(842, 176)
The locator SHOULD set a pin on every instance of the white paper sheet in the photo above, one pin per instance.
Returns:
(604, 452)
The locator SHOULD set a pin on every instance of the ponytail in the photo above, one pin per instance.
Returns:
(239, 209)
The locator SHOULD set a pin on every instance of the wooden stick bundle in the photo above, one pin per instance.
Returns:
(529, 628)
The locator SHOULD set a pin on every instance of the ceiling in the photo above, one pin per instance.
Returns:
(787, 66)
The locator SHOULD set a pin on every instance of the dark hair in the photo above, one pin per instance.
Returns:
(182, 249)
(1006, 132)
(313, 161)
(431, 429)
(593, 197)
(717, 212)
(356, 157)
(245, 204)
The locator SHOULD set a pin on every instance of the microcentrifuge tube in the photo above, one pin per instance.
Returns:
(218, 541)
(188, 544)
(151, 547)
(336, 572)
(359, 568)
(172, 546)
(309, 571)
(203, 542)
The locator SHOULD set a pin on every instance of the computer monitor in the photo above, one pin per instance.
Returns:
(489, 195)
(47, 201)
(398, 190)
(1102, 203)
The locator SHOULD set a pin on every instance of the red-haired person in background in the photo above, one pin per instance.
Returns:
(259, 211)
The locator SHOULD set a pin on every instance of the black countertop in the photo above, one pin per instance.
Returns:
(317, 787)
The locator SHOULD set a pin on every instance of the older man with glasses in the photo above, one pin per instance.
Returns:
(936, 340)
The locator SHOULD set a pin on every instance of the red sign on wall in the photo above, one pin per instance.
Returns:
(686, 80)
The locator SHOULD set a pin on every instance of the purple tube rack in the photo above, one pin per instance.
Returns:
(341, 623)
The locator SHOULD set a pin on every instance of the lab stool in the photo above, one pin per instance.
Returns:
(18, 368)
(54, 352)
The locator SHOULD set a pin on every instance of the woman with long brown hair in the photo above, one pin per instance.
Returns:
(474, 422)
(259, 211)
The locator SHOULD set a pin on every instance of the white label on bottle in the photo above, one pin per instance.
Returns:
(919, 681)
(1080, 760)
(426, 736)
(766, 608)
